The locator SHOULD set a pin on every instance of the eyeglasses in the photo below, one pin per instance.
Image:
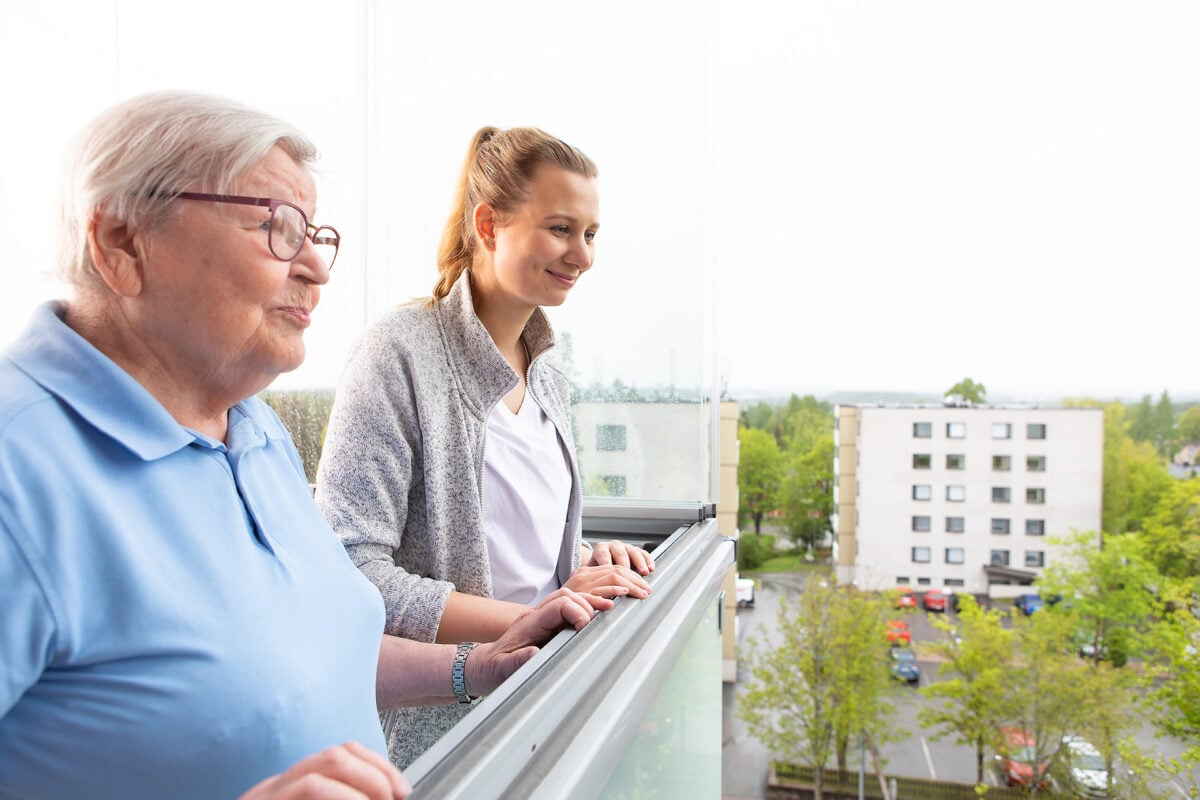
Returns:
(286, 230)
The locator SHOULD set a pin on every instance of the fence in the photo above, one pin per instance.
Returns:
(795, 781)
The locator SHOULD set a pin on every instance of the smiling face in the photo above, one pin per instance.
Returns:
(542, 248)
(216, 300)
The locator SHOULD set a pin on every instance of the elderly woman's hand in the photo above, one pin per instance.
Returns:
(492, 663)
(348, 771)
(609, 580)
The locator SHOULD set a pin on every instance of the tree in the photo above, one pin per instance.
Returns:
(1108, 594)
(1189, 426)
(1175, 699)
(805, 498)
(1164, 426)
(1048, 693)
(825, 673)
(762, 416)
(1141, 421)
(967, 705)
(1171, 533)
(803, 421)
(760, 467)
(969, 390)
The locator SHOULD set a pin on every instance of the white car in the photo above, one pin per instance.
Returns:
(1089, 773)
(745, 592)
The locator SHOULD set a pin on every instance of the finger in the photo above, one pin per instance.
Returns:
(640, 561)
(619, 552)
(601, 555)
(337, 772)
(400, 785)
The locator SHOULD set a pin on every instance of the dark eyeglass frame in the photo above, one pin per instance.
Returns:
(317, 234)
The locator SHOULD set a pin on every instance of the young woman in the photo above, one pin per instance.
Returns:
(449, 466)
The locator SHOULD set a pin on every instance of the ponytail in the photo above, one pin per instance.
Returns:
(497, 170)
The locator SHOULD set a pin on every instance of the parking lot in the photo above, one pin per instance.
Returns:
(915, 754)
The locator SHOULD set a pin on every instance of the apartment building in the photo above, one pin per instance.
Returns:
(961, 497)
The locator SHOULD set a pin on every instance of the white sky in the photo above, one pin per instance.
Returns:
(892, 195)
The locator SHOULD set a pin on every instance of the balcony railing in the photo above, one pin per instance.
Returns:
(629, 704)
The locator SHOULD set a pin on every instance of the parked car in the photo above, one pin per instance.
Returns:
(1016, 758)
(1028, 603)
(935, 600)
(1085, 769)
(745, 592)
(904, 664)
(897, 632)
(905, 598)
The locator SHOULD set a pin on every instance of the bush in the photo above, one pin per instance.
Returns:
(754, 549)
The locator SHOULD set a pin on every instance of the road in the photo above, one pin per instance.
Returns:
(745, 760)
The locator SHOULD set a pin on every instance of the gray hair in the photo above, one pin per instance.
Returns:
(132, 159)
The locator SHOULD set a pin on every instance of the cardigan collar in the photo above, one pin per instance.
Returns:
(483, 374)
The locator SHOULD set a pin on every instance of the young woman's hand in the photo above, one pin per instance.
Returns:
(622, 555)
(348, 771)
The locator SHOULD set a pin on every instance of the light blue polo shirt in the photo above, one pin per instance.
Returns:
(177, 620)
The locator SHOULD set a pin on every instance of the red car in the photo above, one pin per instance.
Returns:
(905, 598)
(935, 600)
(897, 632)
(1016, 759)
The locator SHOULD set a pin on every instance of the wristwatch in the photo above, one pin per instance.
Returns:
(458, 675)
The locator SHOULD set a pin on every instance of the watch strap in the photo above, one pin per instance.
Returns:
(458, 675)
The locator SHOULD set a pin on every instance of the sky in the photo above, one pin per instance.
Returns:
(804, 197)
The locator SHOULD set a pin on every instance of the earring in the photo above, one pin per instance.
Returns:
(489, 243)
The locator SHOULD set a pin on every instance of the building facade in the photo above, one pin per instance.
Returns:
(961, 498)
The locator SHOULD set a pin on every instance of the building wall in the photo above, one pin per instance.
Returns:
(652, 451)
(884, 476)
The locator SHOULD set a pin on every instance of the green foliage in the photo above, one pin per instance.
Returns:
(976, 393)
(760, 469)
(1108, 595)
(1134, 474)
(1176, 696)
(1171, 533)
(967, 704)
(753, 549)
(806, 492)
(305, 414)
(823, 674)
(1189, 425)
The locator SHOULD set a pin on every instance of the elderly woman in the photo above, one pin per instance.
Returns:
(176, 617)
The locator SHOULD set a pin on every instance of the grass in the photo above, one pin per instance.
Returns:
(788, 562)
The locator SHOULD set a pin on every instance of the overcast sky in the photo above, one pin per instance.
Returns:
(892, 195)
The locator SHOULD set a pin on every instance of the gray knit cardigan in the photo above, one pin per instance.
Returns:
(401, 473)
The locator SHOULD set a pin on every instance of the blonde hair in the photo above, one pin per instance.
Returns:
(133, 159)
(498, 170)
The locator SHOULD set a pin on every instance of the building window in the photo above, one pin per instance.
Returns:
(955, 525)
(921, 555)
(956, 494)
(953, 582)
(1035, 463)
(1000, 525)
(1001, 463)
(1035, 430)
(922, 491)
(1035, 558)
(954, 555)
(922, 461)
(922, 430)
(1001, 494)
(1001, 430)
(999, 558)
(902, 580)
(956, 461)
(922, 581)
(1035, 527)
(610, 437)
(614, 485)
(956, 430)
(920, 524)
(1035, 495)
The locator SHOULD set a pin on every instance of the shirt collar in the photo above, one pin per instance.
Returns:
(67, 366)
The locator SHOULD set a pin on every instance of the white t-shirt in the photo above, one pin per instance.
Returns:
(526, 493)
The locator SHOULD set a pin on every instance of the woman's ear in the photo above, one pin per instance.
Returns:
(485, 225)
(117, 254)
